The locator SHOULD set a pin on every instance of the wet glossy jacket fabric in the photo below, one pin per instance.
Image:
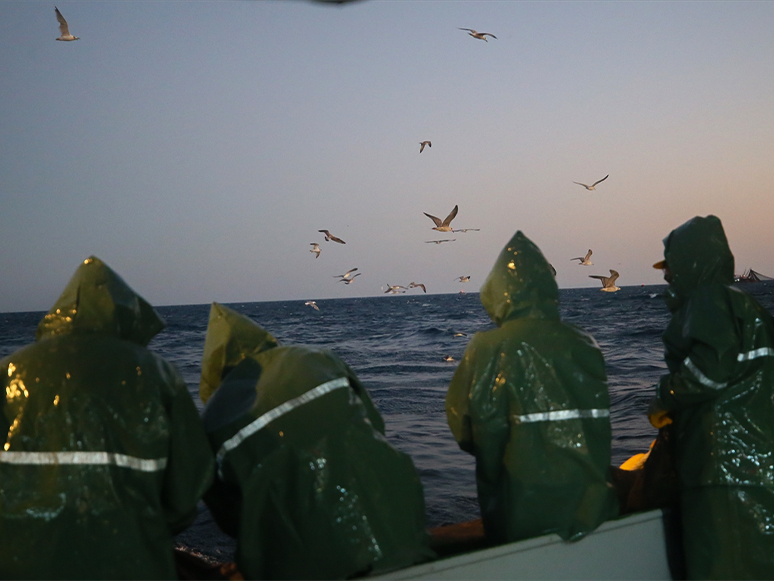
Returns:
(105, 456)
(530, 401)
(719, 349)
(306, 480)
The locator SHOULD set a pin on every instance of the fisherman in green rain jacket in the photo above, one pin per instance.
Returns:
(105, 457)
(306, 481)
(719, 349)
(529, 400)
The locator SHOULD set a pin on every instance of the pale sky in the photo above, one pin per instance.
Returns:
(198, 147)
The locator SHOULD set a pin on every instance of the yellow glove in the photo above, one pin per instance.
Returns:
(657, 415)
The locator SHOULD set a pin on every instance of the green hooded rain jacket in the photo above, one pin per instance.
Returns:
(719, 349)
(306, 480)
(530, 401)
(105, 456)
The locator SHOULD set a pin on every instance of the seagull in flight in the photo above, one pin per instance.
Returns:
(608, 282)
(316, 250)
(439, 241)
(479, 35)
(591, 187)
(329, 236)
(448, 358)
(64, 31)
(463, 278)
(394, 289)
(467, 230)
(445, 225)
(313, 305)
(349, 280)
(422, 145)
(585, 261)
(413, 284)
(347, 275)
(460, 335)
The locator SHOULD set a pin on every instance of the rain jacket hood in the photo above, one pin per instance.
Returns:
(698, 254)
(306, 480)
(529, 400)
(230, 338)
(105, 457)
(520, 283)
(97, 300)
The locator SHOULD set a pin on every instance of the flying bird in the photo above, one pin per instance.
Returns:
(448, 358)
(313, 305)
(349, 280)
(316, 250)
(479, 35)
(394, 289)
(467, 230)
(64, 31)
(413, 284)
(586, 261)
(608, 282)
(347, 275)
(329, 236)
(460, 335)
(422, 145)
(439, 241)
(463, 278)
(591, 187)
(445, 225)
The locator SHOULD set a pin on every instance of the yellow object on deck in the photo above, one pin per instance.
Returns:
(638, 460)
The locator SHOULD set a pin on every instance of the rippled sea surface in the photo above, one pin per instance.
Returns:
(396, 345)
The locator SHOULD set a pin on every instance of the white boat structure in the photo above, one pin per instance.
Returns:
(631, 547)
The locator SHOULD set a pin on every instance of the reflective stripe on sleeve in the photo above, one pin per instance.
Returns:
(278, 411)
(755, 353)
(562, 415)
(703, 379)
(83, 459)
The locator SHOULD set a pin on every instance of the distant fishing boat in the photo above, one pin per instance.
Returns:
(751, 276)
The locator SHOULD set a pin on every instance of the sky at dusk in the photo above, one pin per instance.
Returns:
(197, 147)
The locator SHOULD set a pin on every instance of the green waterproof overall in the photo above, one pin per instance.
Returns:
(105, 457)
(306, 481)
(719, 349)
(529, 400)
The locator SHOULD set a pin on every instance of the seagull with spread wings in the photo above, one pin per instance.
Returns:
(585, 261)
(422, 145)
(444, 226)
(439, 241)
(479, 35)
(608, 282)
(591, 187)
(329, 236)
(347, 275)
(64, 30)
(413, 284)
(316, 249)
(463, 278)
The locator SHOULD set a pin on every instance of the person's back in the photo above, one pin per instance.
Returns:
(719, 349)
(105, 457)
(529, 400)
(306, 480)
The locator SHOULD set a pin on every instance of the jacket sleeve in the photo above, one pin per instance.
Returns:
(458, 399)
(190, 463)
(710, 333)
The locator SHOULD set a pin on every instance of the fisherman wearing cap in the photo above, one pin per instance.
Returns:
(719, 393)
(105, 456)
(530, 401)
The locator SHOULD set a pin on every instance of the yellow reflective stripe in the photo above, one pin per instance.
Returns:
(83, 459)
(561, 415)
(755, 353)
(703, 379)
(278, 411)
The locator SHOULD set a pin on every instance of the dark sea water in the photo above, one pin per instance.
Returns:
(396, 344)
